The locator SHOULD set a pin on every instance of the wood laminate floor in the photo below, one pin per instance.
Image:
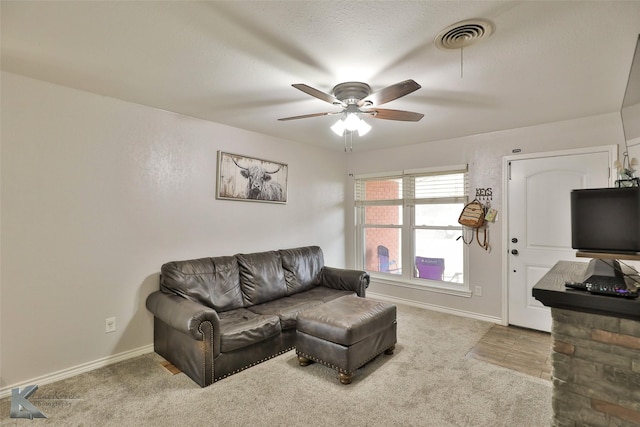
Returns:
(520, 349)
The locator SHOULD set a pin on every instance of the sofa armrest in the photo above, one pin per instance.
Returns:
(183, 315)
(345, 279)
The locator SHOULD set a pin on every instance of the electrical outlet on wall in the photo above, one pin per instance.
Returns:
(478, 291)
(110, 324)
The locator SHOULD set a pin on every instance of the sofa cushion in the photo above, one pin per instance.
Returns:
(286, 309)
(213, 282)
(261, 277)
(302, 268)
(241, 328)
(321, 294)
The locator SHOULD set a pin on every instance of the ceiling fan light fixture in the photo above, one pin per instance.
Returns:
(339, 127)
(363, 128)
(352, 122)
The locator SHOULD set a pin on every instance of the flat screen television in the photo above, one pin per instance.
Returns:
(606, 220)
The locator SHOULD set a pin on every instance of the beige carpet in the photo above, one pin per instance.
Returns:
(427, 382)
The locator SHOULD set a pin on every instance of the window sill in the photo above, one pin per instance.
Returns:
(460, 290)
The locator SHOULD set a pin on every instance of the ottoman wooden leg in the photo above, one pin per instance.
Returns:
(303, 361)
(390, 350)
(345, 378)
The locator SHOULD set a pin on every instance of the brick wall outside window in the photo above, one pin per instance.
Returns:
(382, 190)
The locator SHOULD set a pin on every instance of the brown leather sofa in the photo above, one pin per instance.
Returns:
(214, 317)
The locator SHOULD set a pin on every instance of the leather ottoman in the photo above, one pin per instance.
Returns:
(346, 333)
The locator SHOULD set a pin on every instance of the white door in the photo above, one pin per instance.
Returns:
(539, 222)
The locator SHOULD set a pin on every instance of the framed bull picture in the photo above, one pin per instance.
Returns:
(250, 179)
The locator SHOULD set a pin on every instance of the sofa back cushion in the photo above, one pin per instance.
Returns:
(213, 282)
(261, 277)
(302, 268)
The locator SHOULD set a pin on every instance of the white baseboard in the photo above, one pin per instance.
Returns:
(434, 307)
(79, 369)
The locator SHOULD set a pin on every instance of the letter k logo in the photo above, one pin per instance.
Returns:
(21, 407)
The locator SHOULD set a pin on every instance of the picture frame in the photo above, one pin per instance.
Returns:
(250, 179)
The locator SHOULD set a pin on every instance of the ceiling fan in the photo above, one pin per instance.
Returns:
(356, 99)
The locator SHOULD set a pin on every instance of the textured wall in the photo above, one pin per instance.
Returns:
(98, 193)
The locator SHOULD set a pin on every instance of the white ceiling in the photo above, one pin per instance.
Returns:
(234, 62)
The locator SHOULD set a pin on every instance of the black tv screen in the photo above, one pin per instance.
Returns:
(606, 220)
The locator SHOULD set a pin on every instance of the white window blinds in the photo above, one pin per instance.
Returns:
(413, 188)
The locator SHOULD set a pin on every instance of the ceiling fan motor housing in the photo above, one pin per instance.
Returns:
(351, 92)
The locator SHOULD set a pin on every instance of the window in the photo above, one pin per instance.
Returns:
(407, 226)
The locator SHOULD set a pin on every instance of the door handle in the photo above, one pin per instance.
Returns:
(514, 252)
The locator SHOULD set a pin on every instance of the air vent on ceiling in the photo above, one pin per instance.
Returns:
(464, 33)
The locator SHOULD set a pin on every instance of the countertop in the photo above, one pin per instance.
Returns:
(551, 292)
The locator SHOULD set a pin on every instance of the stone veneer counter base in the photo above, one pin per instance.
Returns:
(596, 352)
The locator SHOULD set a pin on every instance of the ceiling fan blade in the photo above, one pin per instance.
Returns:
(306, 116)
(386, 114)
(318, 94)
(390, 93)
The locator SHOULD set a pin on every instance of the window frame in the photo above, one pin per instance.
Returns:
(408, 229)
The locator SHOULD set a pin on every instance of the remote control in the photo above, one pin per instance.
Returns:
(576, 285)
(611, 290)
(603, 289)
